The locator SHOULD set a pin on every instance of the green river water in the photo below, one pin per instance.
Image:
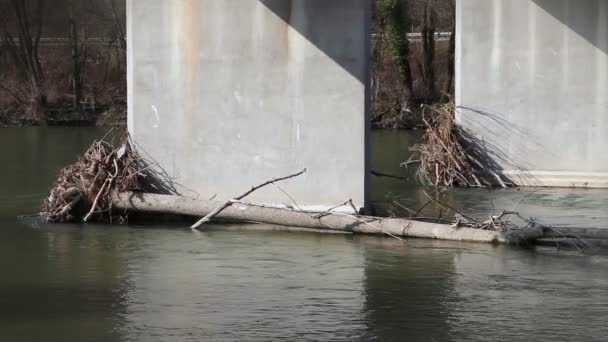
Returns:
(161, 283)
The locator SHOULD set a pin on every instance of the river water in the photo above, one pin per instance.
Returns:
(161, 283)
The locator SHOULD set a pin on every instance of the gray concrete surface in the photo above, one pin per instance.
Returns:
(226, 94)
(538, 70)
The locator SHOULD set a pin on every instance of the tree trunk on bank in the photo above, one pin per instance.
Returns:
(244, 212)
(29, 24)
(395, 20)
(428, 51)
(77, 59)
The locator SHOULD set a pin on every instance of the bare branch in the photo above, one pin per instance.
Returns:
(219, 209)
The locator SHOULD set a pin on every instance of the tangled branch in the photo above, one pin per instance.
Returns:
(81, 193)
(448, 157)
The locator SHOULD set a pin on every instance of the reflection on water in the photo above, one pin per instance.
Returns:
(58, 286)
(547, 295)
(133, 284)
(99, 283)
(406, 291)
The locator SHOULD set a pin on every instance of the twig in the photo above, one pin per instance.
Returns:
(352, 205)
(13, 94)
(386, 175)
(106, 185)
(107, 133)
(411, 161)
(70, 206)
(379, 116)
(219, 209)
(405, 208)
(288, 196)
(524, 199)
(94, 206)
(423, 207)
(448, 206)
(330, 210)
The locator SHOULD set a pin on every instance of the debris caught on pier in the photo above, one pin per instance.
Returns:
(449, 157)
(108, 182)
(111, 180)
(81, 192)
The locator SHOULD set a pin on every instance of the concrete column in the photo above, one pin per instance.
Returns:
(538, 70)
(226, 94)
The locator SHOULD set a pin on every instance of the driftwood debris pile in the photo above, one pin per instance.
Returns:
(110, 181)
(448, 157)
(82, 191)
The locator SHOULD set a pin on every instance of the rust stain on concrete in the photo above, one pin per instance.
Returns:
(191, 22)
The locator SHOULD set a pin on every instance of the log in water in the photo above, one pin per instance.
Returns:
(240, 212)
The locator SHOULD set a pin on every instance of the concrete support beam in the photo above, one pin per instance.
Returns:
(538, 69)
(226, 94)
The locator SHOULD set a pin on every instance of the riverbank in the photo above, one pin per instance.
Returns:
(66, 117)
(118, 118)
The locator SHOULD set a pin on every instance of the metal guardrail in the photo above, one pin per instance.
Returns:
(439, 36)
(66, 41)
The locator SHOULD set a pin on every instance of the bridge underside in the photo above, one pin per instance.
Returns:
(225, 94)
(532, 78)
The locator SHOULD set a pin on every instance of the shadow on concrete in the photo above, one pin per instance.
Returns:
(489, 151)
(313, 18)
(588, 18)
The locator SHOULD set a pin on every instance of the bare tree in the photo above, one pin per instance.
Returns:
(428, 50)
(23, 46)
(79, 54)
(395, 20)
(451, 53)
(120, 32)
(121, 47)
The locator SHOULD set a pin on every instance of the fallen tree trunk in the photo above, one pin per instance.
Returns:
(245, 212)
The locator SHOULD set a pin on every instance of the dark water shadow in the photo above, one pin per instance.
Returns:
(309, 16)
(65, 277)
(406, 292)
(583, 17)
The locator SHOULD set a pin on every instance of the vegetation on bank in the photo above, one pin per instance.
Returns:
(63, 62)
(407, 74)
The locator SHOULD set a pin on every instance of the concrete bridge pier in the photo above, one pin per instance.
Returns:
(226, 94)
(532, 83)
